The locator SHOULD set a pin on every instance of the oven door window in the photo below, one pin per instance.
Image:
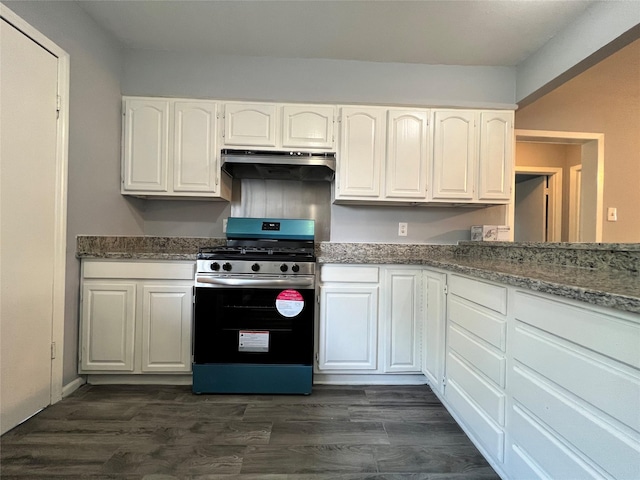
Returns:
(248, 325)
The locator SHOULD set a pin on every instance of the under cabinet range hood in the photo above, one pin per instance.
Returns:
(279, 165)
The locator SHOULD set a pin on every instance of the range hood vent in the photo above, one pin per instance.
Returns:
(279, 165)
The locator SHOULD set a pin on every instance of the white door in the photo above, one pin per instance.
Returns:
(433, 328)
(27, 233)
(531, 210)
(308, 126)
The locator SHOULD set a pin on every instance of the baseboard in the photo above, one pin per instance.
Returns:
(372, 379)
(72, 386)
(134, 379)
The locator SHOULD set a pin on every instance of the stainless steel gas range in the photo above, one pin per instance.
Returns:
(254, 309)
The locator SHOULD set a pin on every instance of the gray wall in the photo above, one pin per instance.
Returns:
(94, 203)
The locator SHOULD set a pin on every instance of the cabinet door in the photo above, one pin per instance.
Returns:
(362, 143)
(308, 126)
(401, 324)
(250, 125)
(348, 327)
(495, 164)
(454, 155)
(166, 328)
(433, 329)
(407, 154)
(145, 153)
(195, 149)
(107, 325)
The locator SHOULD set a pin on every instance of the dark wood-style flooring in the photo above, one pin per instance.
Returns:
(166, 432)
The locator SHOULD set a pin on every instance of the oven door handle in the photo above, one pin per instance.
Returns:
(257, 282)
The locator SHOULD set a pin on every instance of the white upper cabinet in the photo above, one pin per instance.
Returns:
(145, 145)
(250, 125)
(454, 155)
(308, 127)
(495, 164)
(170, 149)
(384, 154)
(270, 126)
(361, 152)
(407, 154)
(472, 156)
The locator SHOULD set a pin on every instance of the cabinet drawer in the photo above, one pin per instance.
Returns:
(484, 359)
(142, 270)
(489, 398)
(344, 273)
(490, 435)
(485, 294)
(478, 322)
(616, 337)
(595, 379)
(574, 421)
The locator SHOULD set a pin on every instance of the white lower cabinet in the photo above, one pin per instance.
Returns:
(370, 319)
(348, 326)
(574, 390)
(475, 359)
(136, 317)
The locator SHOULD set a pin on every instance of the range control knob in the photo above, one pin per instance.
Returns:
(215, 266)
(226, 267)
(283, 267)
(255, 267)
(295, 268)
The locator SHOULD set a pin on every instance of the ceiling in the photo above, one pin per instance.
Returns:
(444, 32)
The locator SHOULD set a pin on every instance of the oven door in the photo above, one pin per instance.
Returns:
(254, 325)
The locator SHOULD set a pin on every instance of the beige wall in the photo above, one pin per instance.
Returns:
(556, 156)
(604, 99)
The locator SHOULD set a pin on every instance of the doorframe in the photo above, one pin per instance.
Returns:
(554, 214)
(60, 208)
(573, 138)
(575, 187)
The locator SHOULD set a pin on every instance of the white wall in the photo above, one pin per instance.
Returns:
(95, 205)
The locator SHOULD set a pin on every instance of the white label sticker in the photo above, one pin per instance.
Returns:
(289, 303)
(252, 341)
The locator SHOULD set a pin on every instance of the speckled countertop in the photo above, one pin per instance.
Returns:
(600, 274)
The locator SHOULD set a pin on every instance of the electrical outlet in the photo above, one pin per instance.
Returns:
(612, 214)
(402, 229)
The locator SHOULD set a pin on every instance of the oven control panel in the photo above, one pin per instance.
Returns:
(256, 267)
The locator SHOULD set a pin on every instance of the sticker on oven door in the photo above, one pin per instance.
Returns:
(289, 303)
(252, 341)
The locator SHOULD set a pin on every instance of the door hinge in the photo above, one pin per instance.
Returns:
(53, 350)
(58, 105)
(317, 359)
(445, 289)
(318, 299)
(444, 382)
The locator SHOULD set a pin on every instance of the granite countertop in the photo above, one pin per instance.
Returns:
(600, 274)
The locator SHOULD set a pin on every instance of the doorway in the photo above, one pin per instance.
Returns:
(590, 217)
(33, 219)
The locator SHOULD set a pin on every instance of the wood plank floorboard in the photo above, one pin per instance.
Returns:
(130, 432)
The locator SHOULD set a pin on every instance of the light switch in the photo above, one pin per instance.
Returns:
(612, 214)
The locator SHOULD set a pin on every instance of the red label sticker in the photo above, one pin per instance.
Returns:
(289, 303)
